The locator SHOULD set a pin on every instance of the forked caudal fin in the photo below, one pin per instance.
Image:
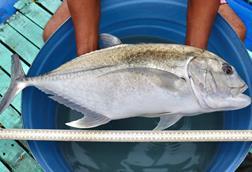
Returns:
(17, 75)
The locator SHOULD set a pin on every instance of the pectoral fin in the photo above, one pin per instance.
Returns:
(159, 77)
(167, 121)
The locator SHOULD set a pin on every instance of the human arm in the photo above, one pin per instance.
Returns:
(200, 18)
(85, 15)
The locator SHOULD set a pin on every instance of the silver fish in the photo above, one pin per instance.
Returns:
(147, 80)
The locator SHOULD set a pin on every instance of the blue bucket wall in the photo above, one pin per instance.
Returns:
(6, 9)
(244, 11)
(165, 19)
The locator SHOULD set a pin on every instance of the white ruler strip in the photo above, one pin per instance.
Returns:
(127, 135)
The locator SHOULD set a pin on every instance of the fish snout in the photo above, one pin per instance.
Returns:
(243, 88)
(239, 90)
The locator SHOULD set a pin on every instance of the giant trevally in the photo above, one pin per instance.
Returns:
(141, 80)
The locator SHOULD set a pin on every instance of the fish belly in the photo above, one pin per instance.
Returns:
(121, 94)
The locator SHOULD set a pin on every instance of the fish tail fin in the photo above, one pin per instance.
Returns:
(16, 85)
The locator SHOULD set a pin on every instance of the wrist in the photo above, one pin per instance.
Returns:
(86, 45)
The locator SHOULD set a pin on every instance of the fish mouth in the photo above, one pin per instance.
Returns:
(238, 100)
(236, 91)
(242, 100)
(243, 88)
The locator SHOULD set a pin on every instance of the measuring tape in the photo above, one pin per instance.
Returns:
(127, 135)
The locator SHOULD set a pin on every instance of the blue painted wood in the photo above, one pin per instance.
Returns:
(22, 34)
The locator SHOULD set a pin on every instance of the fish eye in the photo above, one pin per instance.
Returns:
(227, 69)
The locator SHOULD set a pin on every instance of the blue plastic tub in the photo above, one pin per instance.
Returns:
(6, 9)
(164, 19)
(244, 11)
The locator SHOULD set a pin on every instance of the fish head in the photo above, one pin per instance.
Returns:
(216, 84)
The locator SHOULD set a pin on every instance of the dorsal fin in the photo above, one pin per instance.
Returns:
(108, 40)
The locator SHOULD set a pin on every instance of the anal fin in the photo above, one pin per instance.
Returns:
(167, 121)
(90, 119)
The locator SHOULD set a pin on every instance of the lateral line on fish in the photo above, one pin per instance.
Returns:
(125, 67)
(127, 135)
(68, 74)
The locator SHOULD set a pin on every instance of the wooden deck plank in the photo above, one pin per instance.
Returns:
(5, 60)
(27, 28)
(34, 12)
(18, 43)
(23, 35)
(22, 3)
(3, 168)
(51, 5)
(4, 84)
(5, 81)
(5, 63)
(11, 119)
(17, 158)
